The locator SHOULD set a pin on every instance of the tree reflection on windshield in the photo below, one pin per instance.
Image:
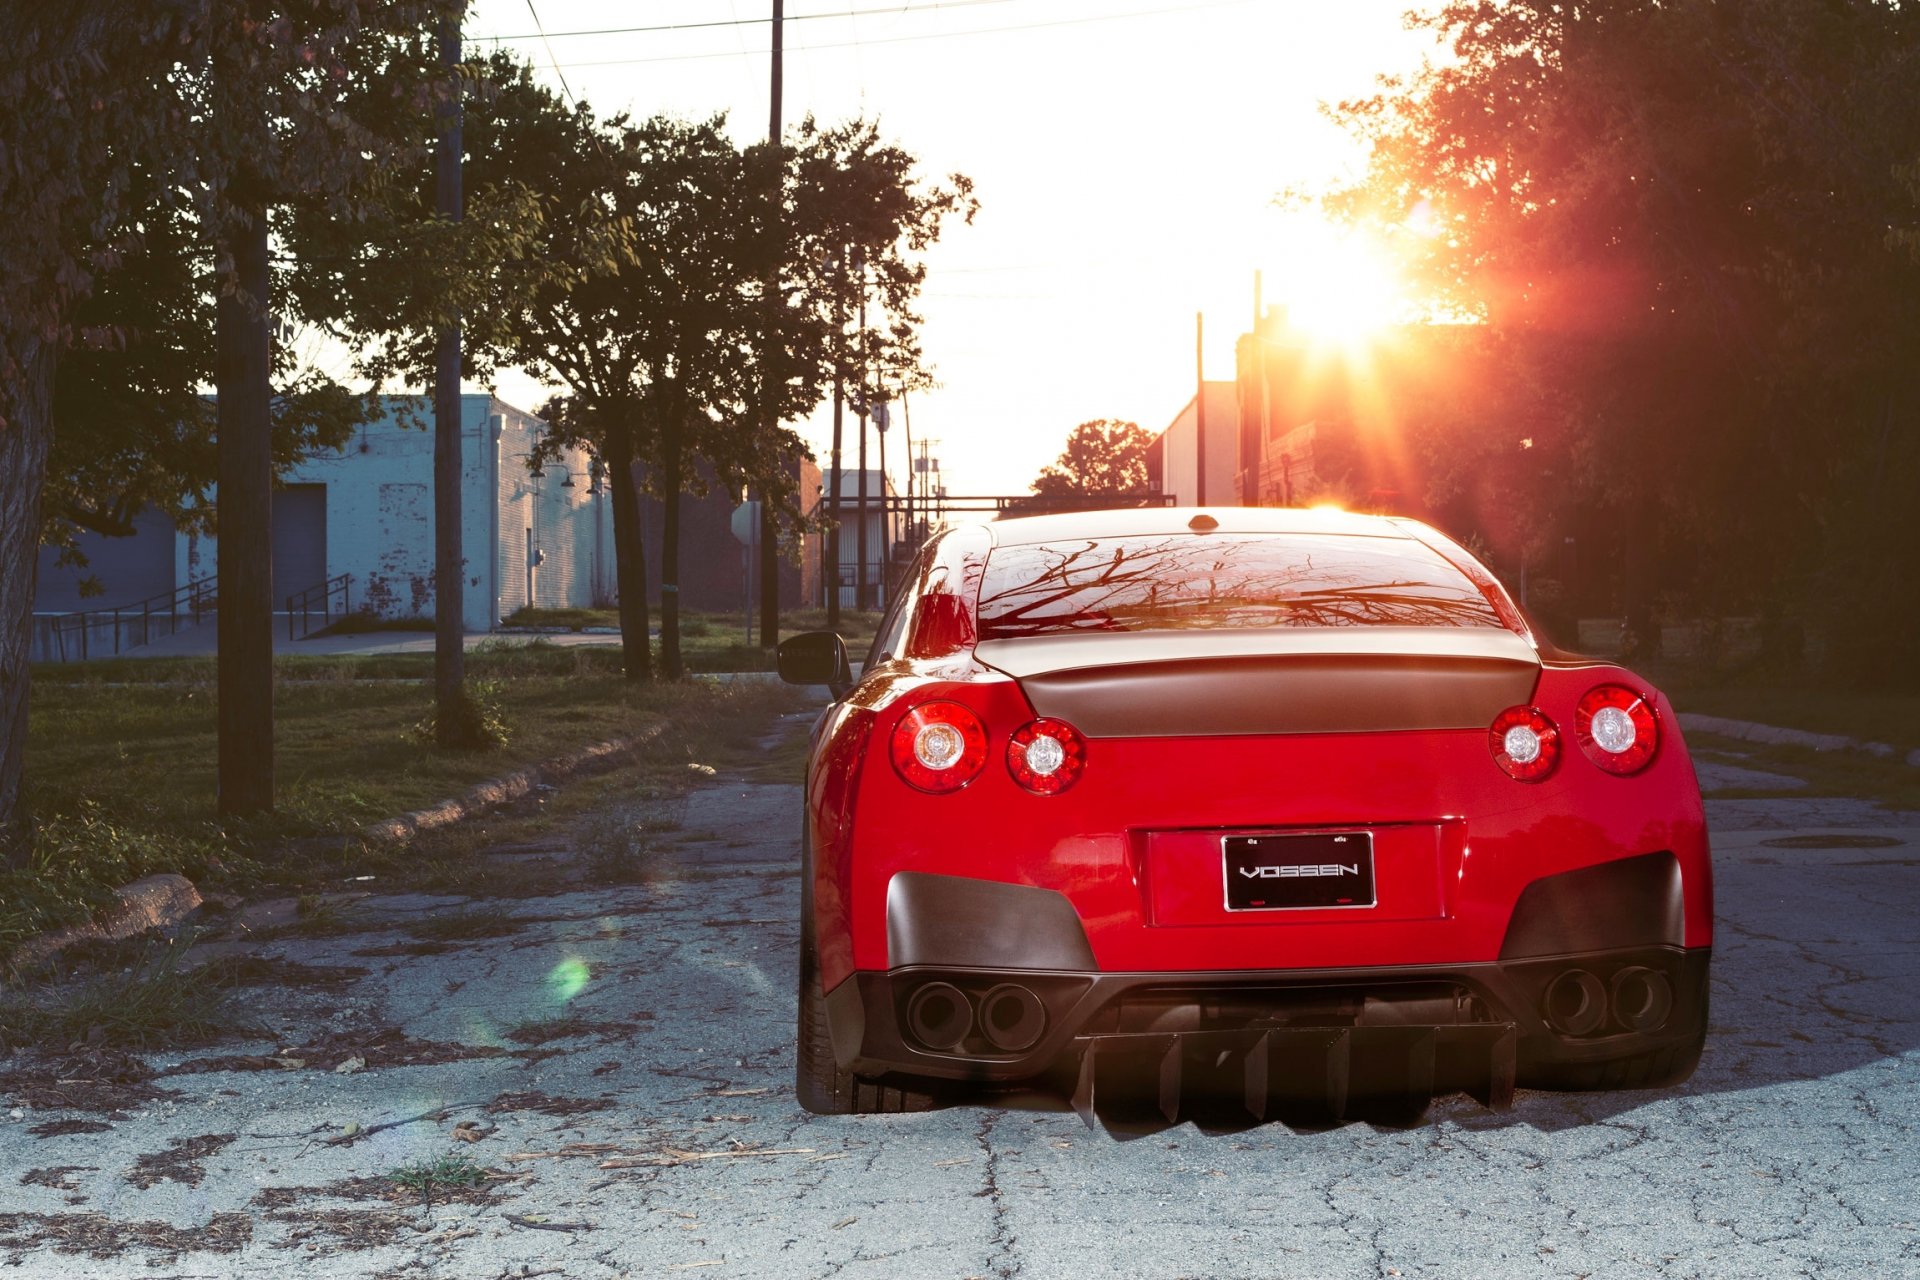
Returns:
(1184, 582)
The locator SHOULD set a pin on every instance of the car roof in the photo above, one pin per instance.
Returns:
(1156, 521)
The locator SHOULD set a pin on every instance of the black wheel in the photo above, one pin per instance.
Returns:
(822, 1087)
(819, 1083)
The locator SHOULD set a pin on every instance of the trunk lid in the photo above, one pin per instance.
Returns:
(1144, 684)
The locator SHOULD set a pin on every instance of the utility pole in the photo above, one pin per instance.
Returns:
(906, 427)
(1200, 408)
(449, 566)
(769, 527)
(886, 513)
(833, 480)
(860, 537)
(1254, 494)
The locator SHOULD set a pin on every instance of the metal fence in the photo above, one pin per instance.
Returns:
(105, 633)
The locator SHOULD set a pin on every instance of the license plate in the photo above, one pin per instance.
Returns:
(1298, 871)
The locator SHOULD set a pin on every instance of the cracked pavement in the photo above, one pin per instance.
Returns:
(657, 1134)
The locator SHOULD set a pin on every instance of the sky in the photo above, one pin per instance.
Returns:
(1126, 155)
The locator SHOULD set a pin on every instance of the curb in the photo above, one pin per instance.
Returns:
(507, 788)
(1748, 731)
(152, 902)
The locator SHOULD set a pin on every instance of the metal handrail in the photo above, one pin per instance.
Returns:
(301, 605)
(197, 599)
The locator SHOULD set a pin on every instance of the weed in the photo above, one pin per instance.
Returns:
(619, 849)
(474, 723)
(448, 1172)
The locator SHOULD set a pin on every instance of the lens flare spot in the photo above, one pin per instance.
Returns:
(568, 978)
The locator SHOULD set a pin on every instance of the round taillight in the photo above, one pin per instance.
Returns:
(1525, 743)
(1616, 728)
(939, 746)
(1047, 756)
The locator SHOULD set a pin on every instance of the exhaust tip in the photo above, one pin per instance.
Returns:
(939, 1016)
(1012, 1018)
(1575, 1003)
(1642, 998)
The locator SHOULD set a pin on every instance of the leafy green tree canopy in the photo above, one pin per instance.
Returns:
(1103, 455)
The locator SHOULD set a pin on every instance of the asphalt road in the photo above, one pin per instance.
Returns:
(1792, 1152)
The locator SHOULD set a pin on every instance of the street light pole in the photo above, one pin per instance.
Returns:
(769, 527)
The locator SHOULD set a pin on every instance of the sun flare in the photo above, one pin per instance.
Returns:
(1338, 288)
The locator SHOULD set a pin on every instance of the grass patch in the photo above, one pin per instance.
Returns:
(787, 761)
(571, 619)
(1852, 774)
(1882, 717)
(450, 1172)
(359, 624)
(123, 772)
(155, 1005)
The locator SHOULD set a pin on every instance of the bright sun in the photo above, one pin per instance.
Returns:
(1337, 287)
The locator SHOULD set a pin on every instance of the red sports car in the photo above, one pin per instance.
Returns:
(1287, 806)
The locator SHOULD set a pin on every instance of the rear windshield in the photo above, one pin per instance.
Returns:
(1186, 581)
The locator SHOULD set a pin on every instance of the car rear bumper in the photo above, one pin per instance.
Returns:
(1478, 1028)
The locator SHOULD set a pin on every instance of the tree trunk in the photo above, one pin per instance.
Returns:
(833, 511)
(670, 549)
(24, 442)
(629, 556)
(449, 565)
(245, 512)
(769, 570)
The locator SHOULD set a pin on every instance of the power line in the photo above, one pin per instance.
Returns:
(933, 35)
(894, 10)
(564, 88)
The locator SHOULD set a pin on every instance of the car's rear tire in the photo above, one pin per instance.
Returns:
(819, 1083)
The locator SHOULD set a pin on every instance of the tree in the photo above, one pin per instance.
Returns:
(420, 287)
(272, 100)
(573, 330)
(80, 97)
(1103, 455)
(666, 341)
(857, 221)
(133, 429)
(1673, 218)
(118, 117)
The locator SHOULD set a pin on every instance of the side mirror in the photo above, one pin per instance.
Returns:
(816, 657)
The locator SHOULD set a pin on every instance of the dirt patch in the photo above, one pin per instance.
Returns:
(57, 1177)
(407, 949)
(468, 926)
(1835, 840)
(543, 1030)
(264, 971)
(390, 1047)
(100, 1080)
(385, 1189)
(546, 1104)
(180, 1162)
(99, 1236)
(352, 1229)
(61, 1128)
